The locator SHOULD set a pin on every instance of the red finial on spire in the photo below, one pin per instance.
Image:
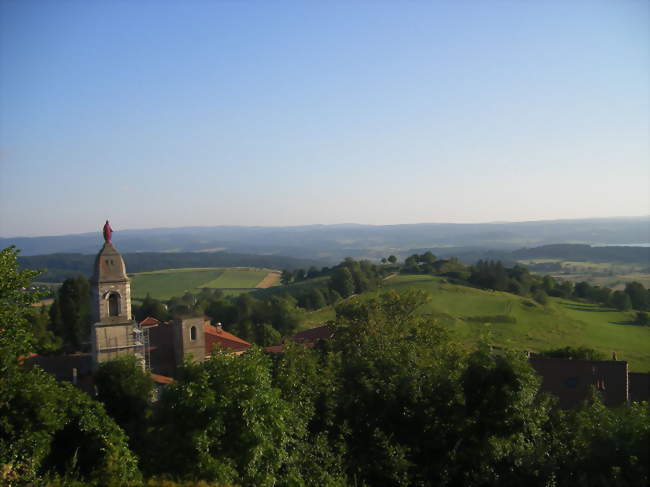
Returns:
(107, 232)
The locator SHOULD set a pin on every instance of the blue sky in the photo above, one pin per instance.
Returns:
(173, 113)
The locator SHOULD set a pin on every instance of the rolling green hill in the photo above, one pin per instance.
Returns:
(519, 323)
(175, 282)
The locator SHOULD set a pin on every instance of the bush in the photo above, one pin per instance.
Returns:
(642, 318)
(492, 319)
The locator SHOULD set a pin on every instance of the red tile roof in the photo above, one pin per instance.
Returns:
(216, 336)
(161, 379)
(149, 321)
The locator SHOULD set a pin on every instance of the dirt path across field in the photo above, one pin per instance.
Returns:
(390, 276)
(269, 280)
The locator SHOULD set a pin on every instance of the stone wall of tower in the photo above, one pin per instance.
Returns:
(189, 339)
(109, 278)
(114, 333)
(101, 293)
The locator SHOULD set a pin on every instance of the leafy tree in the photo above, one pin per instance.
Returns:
(596, 445)
(583, 290)
(266, 335)
(15, 302)
(504, 421)
(125, 390)
(548, 283)
(563, 290)
(71, 314)
(397, 369)
(342, 282)
(151, 307)
(286, 277)
(223, 421)
(621, 301)
(308, 381)
(540, 296)
(46, 426)
(638, 295)
(427, 258)
(45, 341)
(411, 264)
(642, 318)
(392, 259)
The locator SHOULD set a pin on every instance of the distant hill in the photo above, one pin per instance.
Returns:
(62, 266)
(334, 242)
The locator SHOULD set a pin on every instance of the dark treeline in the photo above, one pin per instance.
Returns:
(265, 316)
(59, 267)
(518, 280)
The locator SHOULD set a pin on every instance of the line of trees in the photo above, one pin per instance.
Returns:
(519, 280)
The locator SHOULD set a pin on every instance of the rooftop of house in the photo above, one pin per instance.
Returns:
(161, 379)
(217, 336)
(149, 321)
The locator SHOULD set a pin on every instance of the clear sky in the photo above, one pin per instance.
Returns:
(176, 113)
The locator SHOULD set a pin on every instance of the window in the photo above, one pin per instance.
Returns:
(193, 333)
(113, 304)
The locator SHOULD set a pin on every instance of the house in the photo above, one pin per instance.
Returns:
(572, 381)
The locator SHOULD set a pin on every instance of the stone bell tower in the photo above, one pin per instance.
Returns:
(114, 333)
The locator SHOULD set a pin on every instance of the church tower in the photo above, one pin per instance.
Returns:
(114, 333)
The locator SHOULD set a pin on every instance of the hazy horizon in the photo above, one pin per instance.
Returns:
(98, 228)
(177, 114)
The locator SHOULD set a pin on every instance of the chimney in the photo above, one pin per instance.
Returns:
(219, 327)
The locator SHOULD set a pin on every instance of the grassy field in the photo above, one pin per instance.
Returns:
(608, 274)
(175, 282)
(519, 323)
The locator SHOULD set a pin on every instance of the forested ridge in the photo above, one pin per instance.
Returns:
(58, 267)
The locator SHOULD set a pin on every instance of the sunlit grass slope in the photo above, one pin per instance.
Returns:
(175, 282)
(519, 323)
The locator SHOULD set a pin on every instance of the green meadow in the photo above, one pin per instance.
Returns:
(513, 322)
(167, 283)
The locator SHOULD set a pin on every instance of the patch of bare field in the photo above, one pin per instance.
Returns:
(271, 279)
(43, 302)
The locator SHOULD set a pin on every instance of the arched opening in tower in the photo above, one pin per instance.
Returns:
(113, 304)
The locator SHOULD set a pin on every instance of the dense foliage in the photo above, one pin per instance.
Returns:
(46, 426)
